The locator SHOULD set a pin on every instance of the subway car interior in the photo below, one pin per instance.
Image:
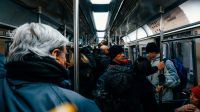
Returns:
(173, 25)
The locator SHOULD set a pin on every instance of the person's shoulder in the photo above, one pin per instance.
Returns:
(68, 93)
(81, 102)
(168, 61)
(169, 64)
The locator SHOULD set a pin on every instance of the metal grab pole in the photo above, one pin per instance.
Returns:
(161, 32)
(65, 30)
(161, 75)
(76, 45)
(137, 44)
(109, 39)
(39, 14)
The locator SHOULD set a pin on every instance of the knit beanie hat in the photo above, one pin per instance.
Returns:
(152, 47)
(115, 50)
(196, 91)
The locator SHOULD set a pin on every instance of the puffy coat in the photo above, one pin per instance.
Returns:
(36, 85)
(118, 90)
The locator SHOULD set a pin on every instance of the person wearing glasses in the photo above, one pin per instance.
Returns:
(36, 70)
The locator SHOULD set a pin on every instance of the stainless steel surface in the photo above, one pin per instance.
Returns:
(76, 45)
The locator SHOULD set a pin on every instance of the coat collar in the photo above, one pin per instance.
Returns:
(34, 68)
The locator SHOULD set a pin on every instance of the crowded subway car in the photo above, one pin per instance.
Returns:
(99, 56)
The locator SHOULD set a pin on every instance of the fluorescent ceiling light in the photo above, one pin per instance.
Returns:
(100, 39)
(100, 20)
(100, 1)
(100, 34)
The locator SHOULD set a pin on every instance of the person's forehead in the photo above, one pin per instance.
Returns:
(120, 53)
(104, 47)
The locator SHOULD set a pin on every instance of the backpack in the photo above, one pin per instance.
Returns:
(182, 73)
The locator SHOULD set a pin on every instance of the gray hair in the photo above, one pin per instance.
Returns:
(35, 38)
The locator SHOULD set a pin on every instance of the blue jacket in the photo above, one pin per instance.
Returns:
(35, 85)
(171, 78)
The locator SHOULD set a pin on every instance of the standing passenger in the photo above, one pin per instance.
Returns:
(171, 79)
(117, 88)
(163, 83)
(103, 59)
(35, 70)
(143, 68)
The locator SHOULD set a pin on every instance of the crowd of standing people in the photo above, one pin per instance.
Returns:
(38, 76)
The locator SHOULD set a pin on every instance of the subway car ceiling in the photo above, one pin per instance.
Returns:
(183, 18)
(125, 16)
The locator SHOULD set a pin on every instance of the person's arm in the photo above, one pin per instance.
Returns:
(186, 108)
(154, 69)
(171, 77)
(159, 66)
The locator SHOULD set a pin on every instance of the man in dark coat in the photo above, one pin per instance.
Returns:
(36, 78)
(102, 60)
(116, 86)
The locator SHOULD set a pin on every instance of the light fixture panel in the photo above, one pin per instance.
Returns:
(100, 20)
(100, 1)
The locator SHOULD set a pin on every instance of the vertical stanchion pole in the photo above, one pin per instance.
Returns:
(65, 30)
(86, 39)
(39, 14)
(137, 44)
(109, 39)
(161, 32)
(161, 75)
(76, 45)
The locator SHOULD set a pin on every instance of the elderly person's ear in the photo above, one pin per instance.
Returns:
(55, 53)
(59, 56)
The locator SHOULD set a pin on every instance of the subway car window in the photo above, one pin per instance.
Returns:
(184, 52)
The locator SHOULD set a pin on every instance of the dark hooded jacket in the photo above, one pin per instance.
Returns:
(118, 90)
(142, 68)
(102, 62)
(38, 85)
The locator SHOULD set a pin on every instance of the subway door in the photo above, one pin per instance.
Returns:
(135, 51)
(184, 51)
(197, 46)
(130, 53)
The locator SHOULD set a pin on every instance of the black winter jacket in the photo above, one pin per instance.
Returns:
(119, 90)
(36, 85)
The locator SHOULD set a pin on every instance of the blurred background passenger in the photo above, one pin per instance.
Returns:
(102, 61)
(86, 75)
(36, 68)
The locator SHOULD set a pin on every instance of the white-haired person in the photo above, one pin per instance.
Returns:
(36, 68)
